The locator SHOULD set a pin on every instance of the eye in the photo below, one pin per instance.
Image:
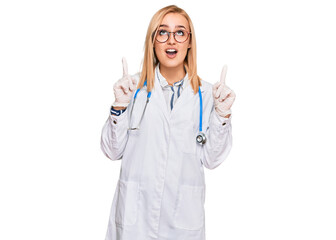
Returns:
(180, 33)
(162, 32)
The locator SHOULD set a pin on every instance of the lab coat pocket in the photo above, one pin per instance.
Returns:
(127, 203)
(189, 212)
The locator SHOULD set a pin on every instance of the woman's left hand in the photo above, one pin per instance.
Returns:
(223, 96)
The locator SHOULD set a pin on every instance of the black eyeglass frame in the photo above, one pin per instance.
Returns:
(173, 35)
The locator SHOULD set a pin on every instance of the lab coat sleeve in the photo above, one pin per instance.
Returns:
(219, 140)
(114, 136)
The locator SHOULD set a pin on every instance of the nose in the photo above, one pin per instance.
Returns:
(171, 38)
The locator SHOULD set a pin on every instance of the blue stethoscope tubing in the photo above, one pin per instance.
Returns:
(148, 95)
(201, 139)
(201, 108)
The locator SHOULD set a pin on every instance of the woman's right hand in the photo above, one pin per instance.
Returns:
(124, 88)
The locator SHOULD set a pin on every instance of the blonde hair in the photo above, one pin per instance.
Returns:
(150, 61)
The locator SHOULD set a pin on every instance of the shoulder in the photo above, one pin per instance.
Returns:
(206, 86)
(206, 90)
(136, 76)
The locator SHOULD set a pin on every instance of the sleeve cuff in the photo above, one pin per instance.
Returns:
(223, 120)
(117, 112)
(115, 119)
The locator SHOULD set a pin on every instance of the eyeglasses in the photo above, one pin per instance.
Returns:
(180, 36)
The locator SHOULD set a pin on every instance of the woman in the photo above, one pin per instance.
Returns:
(161, 190)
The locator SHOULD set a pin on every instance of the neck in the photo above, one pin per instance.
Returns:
(172, 74)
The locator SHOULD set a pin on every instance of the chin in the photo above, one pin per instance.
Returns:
(171, 63)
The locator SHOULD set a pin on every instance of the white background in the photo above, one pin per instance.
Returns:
(60, 59)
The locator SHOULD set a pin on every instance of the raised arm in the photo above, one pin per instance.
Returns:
(218, 128)
(114, 133)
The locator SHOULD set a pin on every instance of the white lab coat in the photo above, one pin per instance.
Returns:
(160, 193)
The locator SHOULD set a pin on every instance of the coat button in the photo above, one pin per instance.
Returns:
(114, 121)
(224, 123)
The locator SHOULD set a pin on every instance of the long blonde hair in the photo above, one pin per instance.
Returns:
(150, 60)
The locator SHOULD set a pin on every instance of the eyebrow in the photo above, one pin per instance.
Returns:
(177, 26)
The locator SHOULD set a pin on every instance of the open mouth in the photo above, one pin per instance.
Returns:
(171, 52)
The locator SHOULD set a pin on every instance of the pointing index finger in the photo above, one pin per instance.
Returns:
(125, 67)
(223, 75)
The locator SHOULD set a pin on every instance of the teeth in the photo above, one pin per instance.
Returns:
(171, 50)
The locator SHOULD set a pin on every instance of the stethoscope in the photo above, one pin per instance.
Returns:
(200, 138)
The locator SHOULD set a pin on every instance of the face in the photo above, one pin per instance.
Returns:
(172, 22)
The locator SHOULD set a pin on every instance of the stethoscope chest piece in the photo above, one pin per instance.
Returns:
(201, 139)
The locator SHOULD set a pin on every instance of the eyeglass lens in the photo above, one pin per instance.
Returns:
(180, 35)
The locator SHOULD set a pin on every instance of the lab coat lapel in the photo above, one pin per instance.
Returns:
(186, 95)
(159, 99)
